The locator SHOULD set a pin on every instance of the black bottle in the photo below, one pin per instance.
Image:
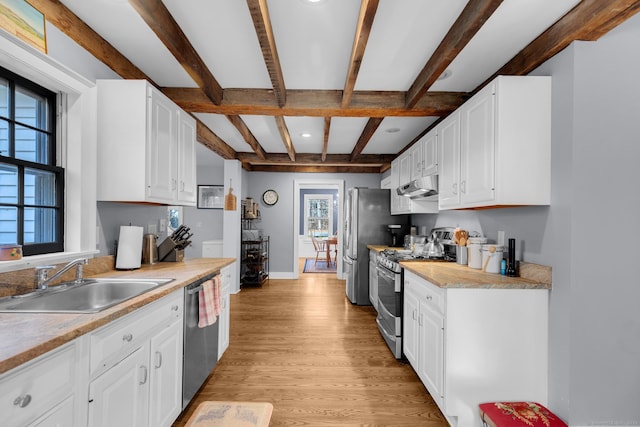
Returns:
(511, 261)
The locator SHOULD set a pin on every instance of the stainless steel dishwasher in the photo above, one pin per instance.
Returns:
(200, 349)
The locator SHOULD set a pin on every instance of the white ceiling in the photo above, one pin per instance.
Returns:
(314, 43)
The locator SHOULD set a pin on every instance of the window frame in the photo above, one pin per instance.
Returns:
(16, 81)
(314, 196)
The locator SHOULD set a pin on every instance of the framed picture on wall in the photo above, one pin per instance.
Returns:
(24, 21)
(210, 196)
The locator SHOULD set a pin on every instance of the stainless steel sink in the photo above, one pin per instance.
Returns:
(87, 296)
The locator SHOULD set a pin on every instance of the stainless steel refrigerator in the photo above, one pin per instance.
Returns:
(367, 219)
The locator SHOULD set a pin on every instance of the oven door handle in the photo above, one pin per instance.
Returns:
(384, 272)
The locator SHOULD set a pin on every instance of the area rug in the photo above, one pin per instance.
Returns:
(310, 266)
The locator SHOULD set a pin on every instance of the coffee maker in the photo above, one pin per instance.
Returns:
(394, 229)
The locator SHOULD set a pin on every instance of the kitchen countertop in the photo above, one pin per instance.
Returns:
(452, 275)
(25, 336)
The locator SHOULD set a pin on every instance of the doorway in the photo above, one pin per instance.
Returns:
(319, 189)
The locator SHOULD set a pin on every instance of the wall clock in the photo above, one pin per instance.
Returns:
(270, 197)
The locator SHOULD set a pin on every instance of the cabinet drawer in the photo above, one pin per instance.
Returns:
(38, 386)
(434, 297)
(114, 341)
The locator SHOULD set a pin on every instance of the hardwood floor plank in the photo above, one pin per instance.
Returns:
(320, 360)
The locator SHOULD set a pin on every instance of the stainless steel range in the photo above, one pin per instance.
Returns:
(391, 287)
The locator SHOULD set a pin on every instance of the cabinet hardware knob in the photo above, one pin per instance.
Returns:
(127, 337)
(22, 401)
(429, 297)
(175, 308)
(158, 360)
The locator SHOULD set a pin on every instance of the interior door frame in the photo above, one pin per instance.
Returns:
(332, 184)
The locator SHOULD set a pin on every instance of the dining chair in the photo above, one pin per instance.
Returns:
(321, 251)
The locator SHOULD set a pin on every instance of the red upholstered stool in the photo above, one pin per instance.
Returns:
(518, 414)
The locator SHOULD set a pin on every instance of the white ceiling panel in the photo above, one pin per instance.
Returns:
(265, 130)
(344, 133)
(211, 26)
(314, 41)
(119, 24)
(395, 133)
(513, 26)
(223, 128)
(403, 37)
(310, 125)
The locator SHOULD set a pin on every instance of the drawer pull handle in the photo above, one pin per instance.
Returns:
(22, 401)
(127, 337)
(175, 308)
(144, 374)
(158, 359)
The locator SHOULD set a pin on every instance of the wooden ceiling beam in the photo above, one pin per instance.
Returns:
(368, 10)
(317, 103)
(588, 20)
(262, 24)
(316, 158)
(314, 169)
(158, 18)
(286, 138)
(325, 137)
(369, 129)
(472, 18)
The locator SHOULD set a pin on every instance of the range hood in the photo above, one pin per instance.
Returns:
(425, 188)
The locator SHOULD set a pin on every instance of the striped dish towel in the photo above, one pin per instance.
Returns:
(209, 302)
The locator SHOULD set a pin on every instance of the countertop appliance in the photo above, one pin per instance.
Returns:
(391, 287)
(200, 350)
(367, 218)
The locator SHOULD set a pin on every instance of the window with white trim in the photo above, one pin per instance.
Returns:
(318, 218)
(31, 185)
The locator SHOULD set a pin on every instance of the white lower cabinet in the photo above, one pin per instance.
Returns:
(470, 345)
(225, 308)
(120, 396)
(42, 392)
(136, 367)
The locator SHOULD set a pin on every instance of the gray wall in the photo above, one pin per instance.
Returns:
(277, 221)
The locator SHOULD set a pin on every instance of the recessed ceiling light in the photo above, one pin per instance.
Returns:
(445, 75)
(305, 135)
(392, 130)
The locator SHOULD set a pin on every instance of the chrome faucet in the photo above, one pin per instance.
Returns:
(42, 272)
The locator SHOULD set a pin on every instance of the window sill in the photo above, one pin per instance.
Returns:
(35, 260)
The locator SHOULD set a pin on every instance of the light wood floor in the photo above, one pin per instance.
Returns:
(301, 345)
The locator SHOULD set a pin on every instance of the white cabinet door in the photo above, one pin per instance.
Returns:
(405, 168)
(417, 160)
(449, 152)
(120, 396)
(410, 337)
(187, 181)
(162, 148)
(165, 402)
(477, 148)
(431, 351)
(430, 153)
(225, 315)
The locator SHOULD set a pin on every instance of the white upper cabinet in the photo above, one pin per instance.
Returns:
(146, 145)
(430, 153)
(417, 161)
(499, 153)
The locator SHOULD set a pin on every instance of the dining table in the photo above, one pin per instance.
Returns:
(331, 241)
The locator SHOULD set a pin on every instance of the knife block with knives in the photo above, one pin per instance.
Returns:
(172, 248)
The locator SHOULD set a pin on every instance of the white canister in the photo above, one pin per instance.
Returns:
(491, 258)
(474, 252)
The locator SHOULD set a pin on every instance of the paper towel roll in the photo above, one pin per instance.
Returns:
(129, 247)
